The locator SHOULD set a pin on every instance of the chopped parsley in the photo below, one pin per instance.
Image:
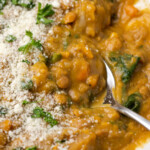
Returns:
(133, 102)
(2, 4)
(61, 141)
(28, 5)
(30, 148)
(18, 148)
(25, 102)
(31, 44)
(10, 38)
(28, 85)
(26, 61)
(44, 13)
(3, 111)
(40, 113)
(126, 64)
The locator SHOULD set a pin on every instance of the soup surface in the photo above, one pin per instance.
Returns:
(53, 80)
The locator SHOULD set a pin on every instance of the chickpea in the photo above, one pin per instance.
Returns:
(63, 82)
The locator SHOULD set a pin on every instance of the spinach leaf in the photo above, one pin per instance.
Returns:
(32, 44)
(133, 102)
(126, 64)
(44, 13)
(28, 5)
(40, 113)
(26, 61)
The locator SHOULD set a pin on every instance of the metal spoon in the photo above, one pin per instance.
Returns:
(109, 99)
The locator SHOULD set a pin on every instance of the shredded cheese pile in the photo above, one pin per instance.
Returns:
(16, 21)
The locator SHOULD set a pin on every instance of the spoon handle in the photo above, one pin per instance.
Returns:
(133, 115)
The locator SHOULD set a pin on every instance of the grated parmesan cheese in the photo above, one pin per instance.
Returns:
(15, 21)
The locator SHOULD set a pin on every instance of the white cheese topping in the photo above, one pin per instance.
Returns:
(15, 21)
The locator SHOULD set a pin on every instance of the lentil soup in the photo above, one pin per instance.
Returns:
(53, 80)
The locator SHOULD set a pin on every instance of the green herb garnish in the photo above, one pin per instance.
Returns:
(120, 124)
(18, 148)
(27, 85)
(28, 5)
(31, 148)
(77, 36)
(2, 4)
(10, 38)
(55, 57)
(26, 61)
(32, 44)
(3, 111)
(126, 64)
(40, 113)
(25, 102)
(133, 102)
(44, 13)
(61, 141)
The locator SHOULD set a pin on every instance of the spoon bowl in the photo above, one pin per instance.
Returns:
(109, 99)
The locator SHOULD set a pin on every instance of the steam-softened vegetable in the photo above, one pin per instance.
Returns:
(55, 57)
(125, 63)
(133, 102)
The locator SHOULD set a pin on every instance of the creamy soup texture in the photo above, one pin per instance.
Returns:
(53, 80)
